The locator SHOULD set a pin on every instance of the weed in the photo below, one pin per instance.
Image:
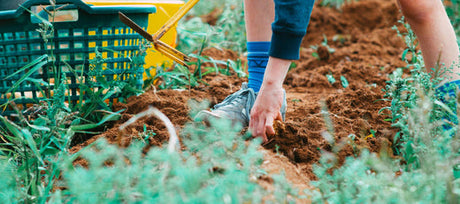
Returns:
(215, 160)
(428, 178)
(344, 81)
(322, 51)
(411, 42)
(180, 77)
(402, 92)
(330, 78)
(334, 3)
(453, 11)
(228, 32)
(194, 34)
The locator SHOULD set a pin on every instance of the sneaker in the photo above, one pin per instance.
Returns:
(237, 107)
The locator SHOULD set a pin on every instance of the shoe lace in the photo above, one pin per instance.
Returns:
(239, 95)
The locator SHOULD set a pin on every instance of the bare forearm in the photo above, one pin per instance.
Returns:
(267, 106)
(275, 72)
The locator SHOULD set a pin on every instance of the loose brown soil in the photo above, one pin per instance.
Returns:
(367, 49)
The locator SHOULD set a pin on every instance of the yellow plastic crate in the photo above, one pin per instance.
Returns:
(165, 10)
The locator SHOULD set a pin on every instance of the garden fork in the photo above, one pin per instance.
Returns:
(162, 47)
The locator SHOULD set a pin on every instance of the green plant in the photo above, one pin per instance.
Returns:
(218, 66)
(97, 90)
(216, 166)
(36, 146)
(179, 77)
(344, 81)
(330, 78)
(453, 11)
(228, 32)
(402, 91)
(194, 34)
(372, 178)
(334, 3)
(8, 187)
(325, 46)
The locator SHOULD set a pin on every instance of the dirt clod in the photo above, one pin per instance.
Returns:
(323, 53)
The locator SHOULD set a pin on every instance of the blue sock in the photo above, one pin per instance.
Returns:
(448, 93)
(257, 61)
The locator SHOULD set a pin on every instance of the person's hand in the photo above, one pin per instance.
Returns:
(266, 109)
(267, 106)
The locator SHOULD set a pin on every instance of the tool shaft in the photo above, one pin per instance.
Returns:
(135, 27)
(174, 19)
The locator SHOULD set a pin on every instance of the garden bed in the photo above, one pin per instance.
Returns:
(366, 50)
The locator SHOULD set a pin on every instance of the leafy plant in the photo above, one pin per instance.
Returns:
(97, 92)
(216, 165)
(180, 77)
(344, 81)
(228, 32)
(380, 178)
(8, 186)
(402, 91)
(324, 45)
(334, 3)
(330, 78)
(453, 11)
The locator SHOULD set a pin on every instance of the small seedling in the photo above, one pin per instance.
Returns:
(323, 51)
(295, 101)
(330, 78)
(292, 66)
(146, 134)
(334, 3)
(344, 81)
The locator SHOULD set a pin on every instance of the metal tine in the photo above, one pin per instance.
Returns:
(174, 51)
(171, 55)
(162, 47)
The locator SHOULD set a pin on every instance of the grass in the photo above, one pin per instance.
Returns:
(180, 77)
(228, 32)
(453, 10)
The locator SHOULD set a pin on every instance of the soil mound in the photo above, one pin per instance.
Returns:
(362, 49)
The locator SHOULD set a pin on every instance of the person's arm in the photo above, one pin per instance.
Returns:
(289, 27)
(267, 106)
